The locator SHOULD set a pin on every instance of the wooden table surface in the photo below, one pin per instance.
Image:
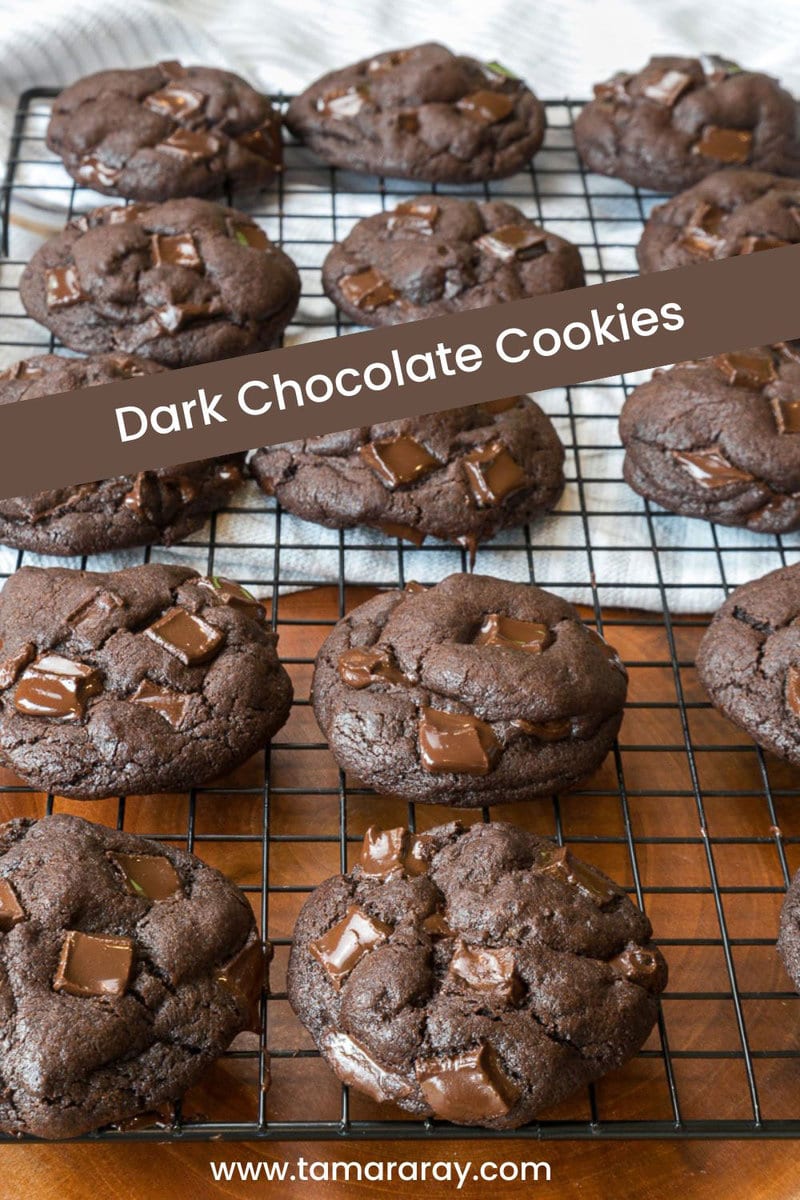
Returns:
(736, 834)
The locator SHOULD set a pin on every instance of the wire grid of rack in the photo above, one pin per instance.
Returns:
(687, 813)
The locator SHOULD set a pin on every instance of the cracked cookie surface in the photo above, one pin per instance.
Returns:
(475, 975)
(126, 968)
(165, 131)
(163, 505)
(749, 661)
(789, 931)
(434, 255)
(720, 438)
(679, 119)
(184, 282)
(149, 679)
(475, 691)
(421, 113)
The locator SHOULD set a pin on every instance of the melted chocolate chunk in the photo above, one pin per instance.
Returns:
(57, 687)
(191, 143)
(367, 290)
(793, 689)
(343, 946)
(248, 235)
(172, 317)
(233, 594)
(265, 142)
(11, 911)
(398, 460)
(702, 234)
(725, 145)
(385, 851)
(546, 731)
(172, 706)
(359, 667)
(176, 100)
(756, 242)
(189, 638)
(358, 1069)
(497, 630)
(149, 875)
(244, 978)
(637, 966)
(669, 88)
(345, 102)
(92, 965)
(408, 122)
(710, 468)
(10, 667)
(560, 863)
(487, 970)
(492, 474)
(487, 106)
(63, 287)
(514, 242)
(752, 370)
(786, 413)
(172, 69)
(413, 216)
(456, 742)
(614, 90)
(469, 1087)
(95, 608)
(407, 532)
(94, 172)
(436, 926)
(178, 250)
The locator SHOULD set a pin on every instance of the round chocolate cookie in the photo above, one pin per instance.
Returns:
(789, 934)
(476, 691)
(460, 475)
(719, 438)
(184, 282)
(165, 131)
(164, 505)
(421, 113)
(679, 119)
(474, 975)
(436, 255)
(749, 661)
(150, 679)
(126, 968)
(729, 213)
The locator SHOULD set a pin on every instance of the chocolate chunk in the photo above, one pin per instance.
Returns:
(487, 106)
(58, 687)
(10, 667)
(172, 69)
(487, 970)
(63, 287)
(436, 926)
(492, 474)
(265, 142)
(416, 216)
(407, 532)
(786, 413)
(669, 88)
(510, 242)
(191, 143)
(173, 317)
(247, 234)
(702, 235)
(546, 731)
(560, 863)
(172, 706)
(177, 250)
(343, 946)
(233, 594)
(756, 242)
(359, 667)
(710, 468)
(614, 90)
(92, 965)
(176, 100)
(793, 689)
(346, 102)
(398, 460)
(92, 171)
(385, 851)
(456, 742)
(753, 369)
(497, 630)
(11, 911)
(638, 966)
(408, 122)
(95, 608)
(244, 978)
(725, 145)
(367, 290)
(469, 1088)
(188, 637)
(358, 1069)
(149, 875)
(717, 68)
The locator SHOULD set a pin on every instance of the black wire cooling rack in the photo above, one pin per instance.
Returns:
(699, 825)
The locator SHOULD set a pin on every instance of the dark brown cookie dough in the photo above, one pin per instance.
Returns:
(729, 213)
(789, 934)
(749, 661)
(719, 438)
(421, 113)
(679, 119)
(476, 691)
(150, 679)
(474, 975)
(434, 255)
(165, 131)
(460, 475)
(163, 505)
(184, 282)
(126, 968)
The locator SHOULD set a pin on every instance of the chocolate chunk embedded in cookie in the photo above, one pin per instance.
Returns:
(435, 255)
(165, 131)
(506, 973)
(128, 966)
(680, 119)
(150, 679)
(184, 282)
(476, 691)
(421, 113)
(719, 438)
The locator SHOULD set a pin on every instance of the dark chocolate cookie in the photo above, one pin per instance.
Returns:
(421, 113)
(719, 438)
(789, 934)
(184, 282)
(460, 475)
(680, 119)
(163, 505)
(435, 255)
(474, 975)
(160, 132)
(126, 968)
(150, 679)
(749, 661)
(729, 213)
(476, 691)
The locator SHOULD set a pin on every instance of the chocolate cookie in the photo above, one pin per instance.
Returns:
(679, 119)
(163, 505)
(460, 475)
(749, 661)
(476, 691)
(126, 968)
(165, 131)
(474, 975)
(150, 679)
(719, 438)
(729, 213)
(421, 113)
(183, 282)
(789, 935)
(435, 255)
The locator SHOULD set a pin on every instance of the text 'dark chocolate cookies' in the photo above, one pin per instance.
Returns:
(434, 255)
(719, 438)
(421, 113)
(157, 133)
(476, 691)
(460, 475)
(474, 975)
(184, 282)
(128, 966)
(149, 679)
(163, 505)
(679, 119)
(749, 661)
